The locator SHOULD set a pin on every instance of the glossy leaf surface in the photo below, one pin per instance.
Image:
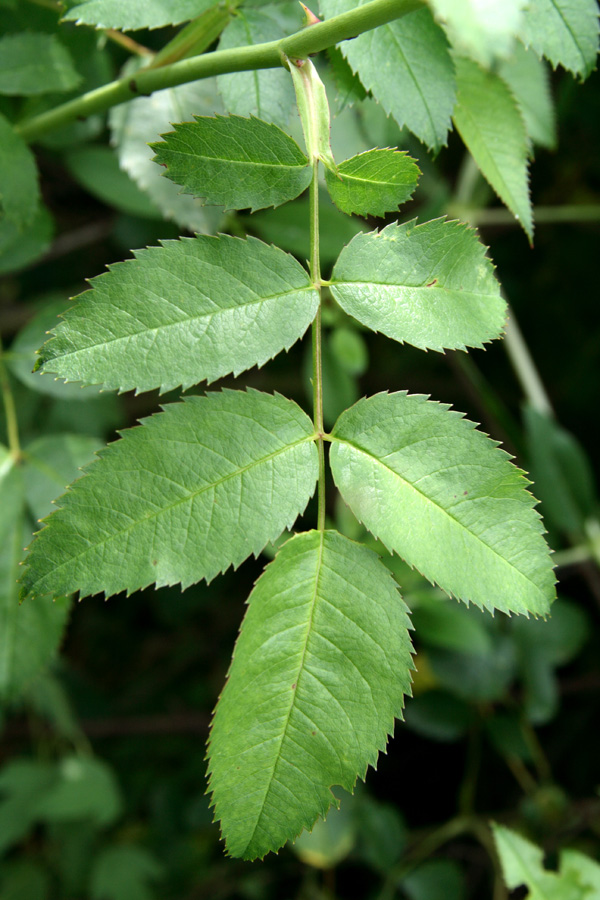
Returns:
(407, 67)
(234, 162)
(373, 183)
(136, 13)
(446, 499)
(193, 490)
(429, 285)
(319, 673)
(189, 311)
(492, 127)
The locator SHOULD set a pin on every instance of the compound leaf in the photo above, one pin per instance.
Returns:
(35, 63)
(234, 162)
(373, 183)
(134, 124)
(192, 310)
(430, 285)
(136, 13)
(19, 189)
(318, 675)
(442, 496)
(492, 128)
(480, 29)
(407, 67)
(266, 93)
(565, 32)
(193, 490)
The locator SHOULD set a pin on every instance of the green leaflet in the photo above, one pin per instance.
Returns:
(265, 93)
(192, 310)
(492, 128)
(234, 162)
(565, 32)
(527, 77)
(124, 872)
(30, 632)
(480, 29)
(18, 249)
(442, 496)
(133, 125)
(19, 189)
(407, 67)
(35, 63)
(136, 13)
(318, 675)
(193, 490)
(373, 183)
(430, 285)
(523, 864)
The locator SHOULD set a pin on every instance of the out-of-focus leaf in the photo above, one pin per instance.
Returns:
(438, 715)
(331, 839)
(527, 77)
(18, 250)
(480, 29)
(122, 872)
(436, 879)
(97, 169)
(492, 128)
(564, 31)
(19, 189)
(35, 63)
(51, 464)
(86, 788)
(440, 622)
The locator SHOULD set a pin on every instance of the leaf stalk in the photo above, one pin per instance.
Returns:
(317, 376)
(12, 425)
(238, 59)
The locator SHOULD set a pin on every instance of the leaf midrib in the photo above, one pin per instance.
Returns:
(74, 354)
(236, 162)
(461, 292)
(441, 509)
(190, 496)
(300, 670)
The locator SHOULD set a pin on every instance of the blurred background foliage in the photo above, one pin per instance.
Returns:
(102, 773)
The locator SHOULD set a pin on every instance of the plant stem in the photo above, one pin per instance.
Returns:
(12, 427)
(317, 378)
(238, 59)
(525, 368)
(575, 212)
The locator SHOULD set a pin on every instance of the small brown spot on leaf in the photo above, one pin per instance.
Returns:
(431, 283)
(294, 686)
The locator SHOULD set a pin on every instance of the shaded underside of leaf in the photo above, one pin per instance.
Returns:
(565, 32)
(265, 93)
(191, 491)
(528, 78)
(446, 499)
(492, 128)
(407, 67)
(234, 162)
(318, 675)
(192, 310)
(373, 183)
(136, 14)
(430, 285)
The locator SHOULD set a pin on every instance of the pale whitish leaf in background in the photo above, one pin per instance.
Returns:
(135, 124)
(492, 128)
(19, 189)
(192, 310)
(266, 93)
(32, 63)
(430, 285)
(233, 161)
(136, 13)
(29, 632)
(190, 492)
(373, 183)
(319, 673)
(407, 66)
(565, 32)
(480, 29)
(528, 78)
(446, 499)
